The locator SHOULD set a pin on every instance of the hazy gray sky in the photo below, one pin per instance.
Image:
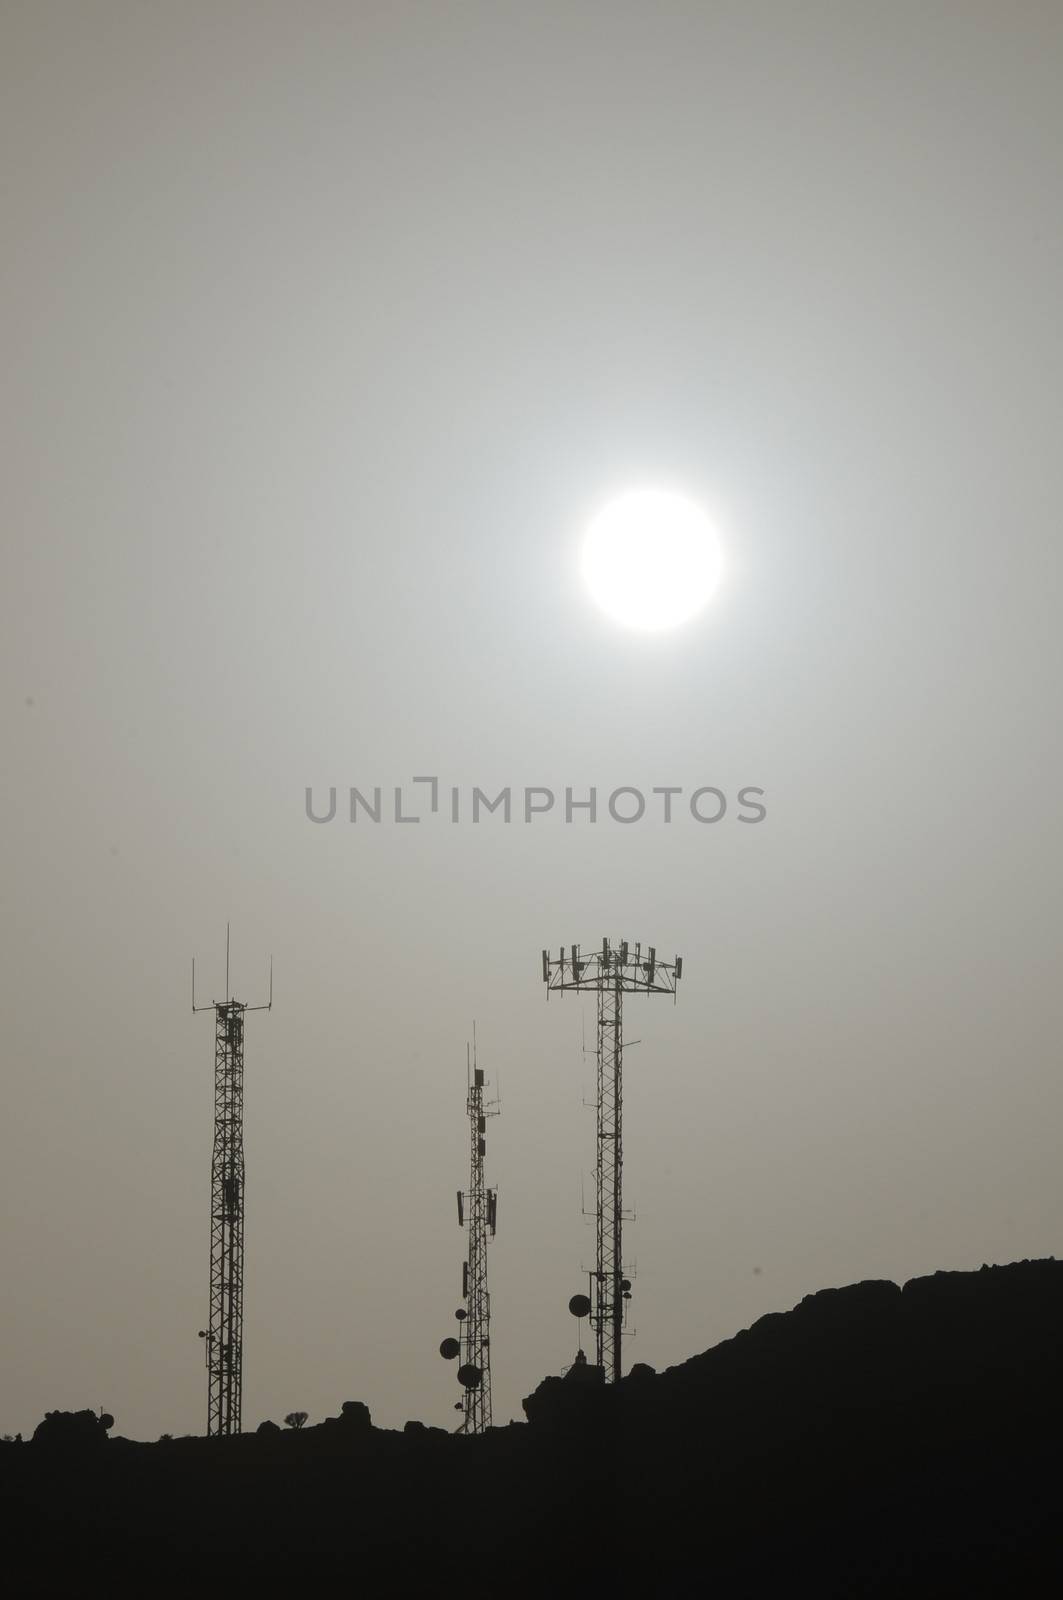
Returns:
(325, 326)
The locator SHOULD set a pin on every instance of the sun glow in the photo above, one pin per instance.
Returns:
(651, 559)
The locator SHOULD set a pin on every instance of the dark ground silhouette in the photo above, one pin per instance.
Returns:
(871, 1441)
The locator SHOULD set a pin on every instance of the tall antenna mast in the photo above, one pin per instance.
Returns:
(609, 974)
(224, 1335)
(478, 1206)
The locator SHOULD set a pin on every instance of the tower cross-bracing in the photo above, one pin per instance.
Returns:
(609, 974)
(224, 1334)
(478, 1214)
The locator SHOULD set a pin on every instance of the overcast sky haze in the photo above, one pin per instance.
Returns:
(326, 326)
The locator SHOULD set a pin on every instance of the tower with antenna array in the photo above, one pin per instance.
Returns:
(609, 974)
(478, 1210)
(224, 1335)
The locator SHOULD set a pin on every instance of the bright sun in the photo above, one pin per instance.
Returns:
(651, 559)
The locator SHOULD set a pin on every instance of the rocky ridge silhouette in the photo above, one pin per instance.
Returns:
(873, 1440)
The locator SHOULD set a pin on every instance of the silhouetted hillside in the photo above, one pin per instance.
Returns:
(872, 1440)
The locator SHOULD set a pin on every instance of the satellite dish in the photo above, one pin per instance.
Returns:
(450, 1349)
(579, 1305)
(461, 1313)
(469, 1376)
(625, 1284)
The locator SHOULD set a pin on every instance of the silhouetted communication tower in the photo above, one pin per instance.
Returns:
(477, 1206)
(225, 1334)
(610, 973)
